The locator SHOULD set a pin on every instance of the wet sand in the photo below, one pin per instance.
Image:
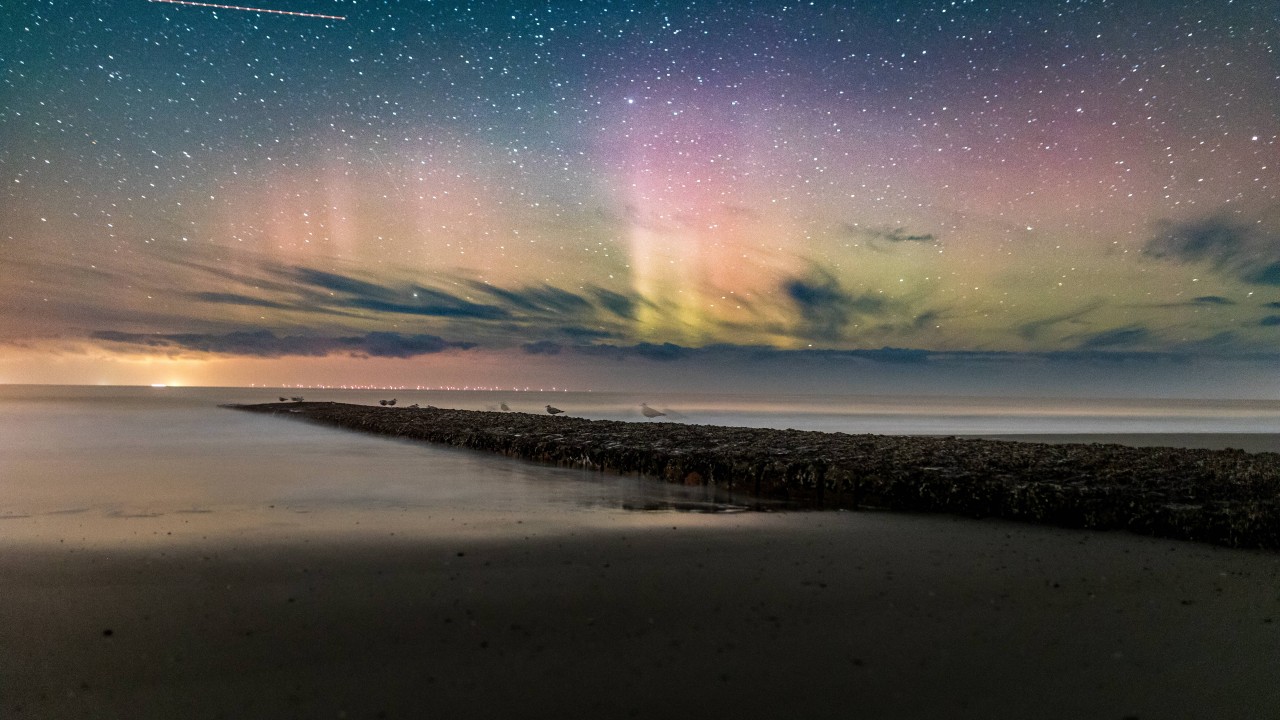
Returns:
(363, 578)
(614, 614)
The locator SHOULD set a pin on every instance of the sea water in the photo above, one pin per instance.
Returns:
(136, 452)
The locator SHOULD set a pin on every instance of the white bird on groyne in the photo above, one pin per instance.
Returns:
(650, 412)
(554, 410)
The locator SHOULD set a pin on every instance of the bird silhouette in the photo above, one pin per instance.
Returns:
(383, 403)
(283, 399)
(650, 412)
(504, 407)
(554, 410)
(391, 402)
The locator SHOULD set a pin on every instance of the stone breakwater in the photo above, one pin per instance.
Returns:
(1227, 497)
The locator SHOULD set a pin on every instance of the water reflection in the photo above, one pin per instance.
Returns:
(147, 455)
(693, 507)
(648, 495)
(146, 452)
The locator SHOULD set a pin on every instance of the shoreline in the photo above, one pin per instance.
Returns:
(1224, 497)
(1256, 442)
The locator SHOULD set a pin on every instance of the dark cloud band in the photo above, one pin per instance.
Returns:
(265, 344)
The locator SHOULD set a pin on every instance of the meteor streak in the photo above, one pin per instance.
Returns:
(251, 9)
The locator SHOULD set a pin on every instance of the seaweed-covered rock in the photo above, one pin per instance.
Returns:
(1228, 497)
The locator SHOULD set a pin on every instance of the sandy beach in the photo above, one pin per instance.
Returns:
(866, 614)
(170, 559)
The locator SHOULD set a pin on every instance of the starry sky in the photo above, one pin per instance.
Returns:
(1067, 196)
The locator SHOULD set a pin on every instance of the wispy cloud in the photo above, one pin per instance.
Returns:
(728, 352)
(338, 283)
(353, 293)
(666, 352)
(221, 298)
(1120, 338)
(825, 307)
(889, 235)
(616, 303)
(1250, 251)
(542, 347)
(1034, 329)
(265, 344)
(543, 299)
(1266, 275)
(1109, 347)
(581, 334)
(591, 312)
(900, 235)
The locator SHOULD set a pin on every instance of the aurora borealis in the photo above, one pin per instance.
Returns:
(583, 193)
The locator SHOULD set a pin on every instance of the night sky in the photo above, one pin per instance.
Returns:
(1061, 196)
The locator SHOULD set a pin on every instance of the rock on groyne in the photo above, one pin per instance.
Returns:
(1227, 497)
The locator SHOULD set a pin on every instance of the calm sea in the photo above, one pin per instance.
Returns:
(151, 452)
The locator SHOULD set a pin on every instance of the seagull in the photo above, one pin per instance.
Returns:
(296, 399)
(650, 412)
(414, 405)
(382, 403)
(554, 410)
(283, 399)
(504, 407)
